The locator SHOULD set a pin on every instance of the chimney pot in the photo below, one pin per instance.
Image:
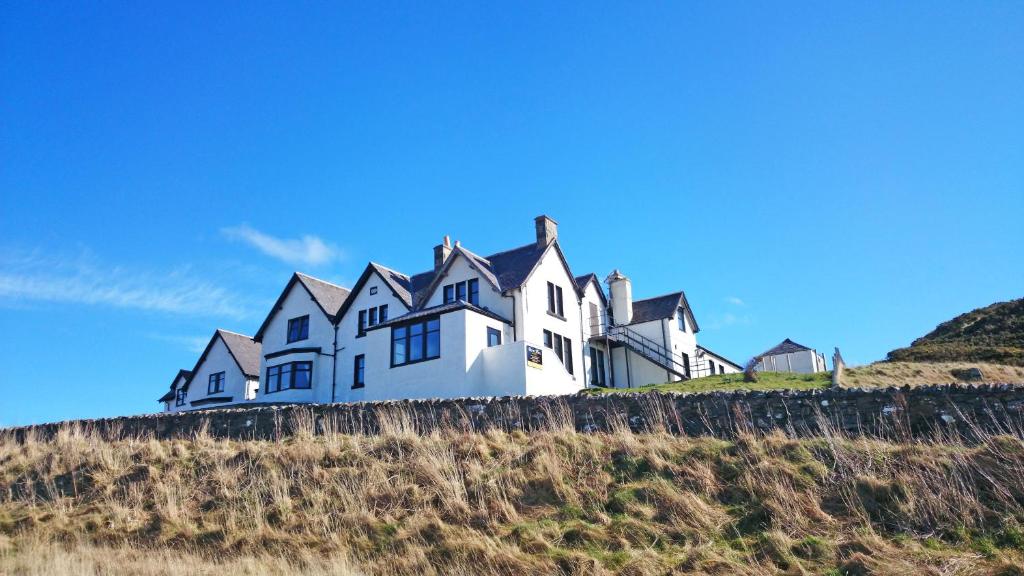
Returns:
(547, 230)
(441, 253)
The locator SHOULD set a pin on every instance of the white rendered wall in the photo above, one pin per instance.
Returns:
(535, 318)
(298, 302)
(218, 360)
(802, 362)
(350, 345)
(592, 327)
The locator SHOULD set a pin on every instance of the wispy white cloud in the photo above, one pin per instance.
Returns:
(308, 250)
(735, 301)
(194, 344)
(36, 277)
(720, 321)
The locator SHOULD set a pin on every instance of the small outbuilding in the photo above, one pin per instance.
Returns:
(788, 356)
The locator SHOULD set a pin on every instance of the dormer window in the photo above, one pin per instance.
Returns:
(179, 398)
(298, 329)
(466, 291)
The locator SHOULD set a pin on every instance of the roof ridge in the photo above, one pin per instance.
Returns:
(677, 292)
(389, 269)
(235, 333)
(532, 244)
(321, 280)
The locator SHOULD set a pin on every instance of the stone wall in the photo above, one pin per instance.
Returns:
(892, 412)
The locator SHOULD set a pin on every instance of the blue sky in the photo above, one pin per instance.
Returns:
(843, 174)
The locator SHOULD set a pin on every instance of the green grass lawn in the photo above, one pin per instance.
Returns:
(766, 381)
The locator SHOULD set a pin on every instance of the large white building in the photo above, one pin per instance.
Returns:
(513, 323)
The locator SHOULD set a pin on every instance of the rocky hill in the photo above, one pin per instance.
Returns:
(993, 334)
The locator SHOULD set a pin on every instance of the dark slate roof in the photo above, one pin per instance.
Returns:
(245, 351)
(661, 307)
(582, 281)
(656, 308)
(506, 270)
(511, 267)
(186, 374)
(787, 346)
(329, 296)
(437, 310)
(400, 284)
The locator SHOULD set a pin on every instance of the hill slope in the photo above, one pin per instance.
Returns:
(991, 334)
(552, 502)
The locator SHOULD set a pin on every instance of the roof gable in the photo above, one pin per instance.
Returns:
(478, 263)
(243, 350)
(787, 346)
(328, 298)
(553, 245)
(182, 376)
(399, 284)
(662, 307)
(583, 281)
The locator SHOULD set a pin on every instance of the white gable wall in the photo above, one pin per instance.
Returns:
(298, 302)
(219, 359)
(350, 344)
(802, 362)
(460, 270)
(535, 318)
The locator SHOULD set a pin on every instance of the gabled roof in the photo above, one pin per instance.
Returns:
(661, 307)
(787, 346)
(438, 310)
(186, 374)
(505, 270)
(478, 263)
(582, 281)
(243, 349)
(328, 297)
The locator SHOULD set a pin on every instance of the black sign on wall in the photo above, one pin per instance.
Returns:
(534, 357)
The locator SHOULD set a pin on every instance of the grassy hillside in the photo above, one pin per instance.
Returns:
(880, 374)
(991, 334)
(553, 502)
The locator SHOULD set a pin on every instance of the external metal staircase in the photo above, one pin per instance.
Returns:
(681, 365)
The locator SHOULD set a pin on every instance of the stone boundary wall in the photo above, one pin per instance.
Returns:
(964, 410)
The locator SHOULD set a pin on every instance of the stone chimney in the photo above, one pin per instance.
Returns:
(547, 230)
(622, 297)
(441, 253)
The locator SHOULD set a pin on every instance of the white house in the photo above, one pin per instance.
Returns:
(788, 356)
(227, 373)
(517, 322)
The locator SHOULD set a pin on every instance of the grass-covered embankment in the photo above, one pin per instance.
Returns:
(549, 502)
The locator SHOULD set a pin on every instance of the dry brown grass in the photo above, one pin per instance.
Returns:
(883, 374)
(550, 502)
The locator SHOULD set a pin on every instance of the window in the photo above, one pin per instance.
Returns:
(372, 317)
(567, 346)
(291, 375)
(493, 337)
(358, 371)
(465, 291)
(597, 377)
(562, 347)
(682, 320)
(216, 384)
(417, 342)
(555, 306)
(298, 329)
(179, 398)
(686, 364)
(711, 365)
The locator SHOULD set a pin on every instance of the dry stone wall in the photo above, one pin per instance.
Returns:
(964, 410)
